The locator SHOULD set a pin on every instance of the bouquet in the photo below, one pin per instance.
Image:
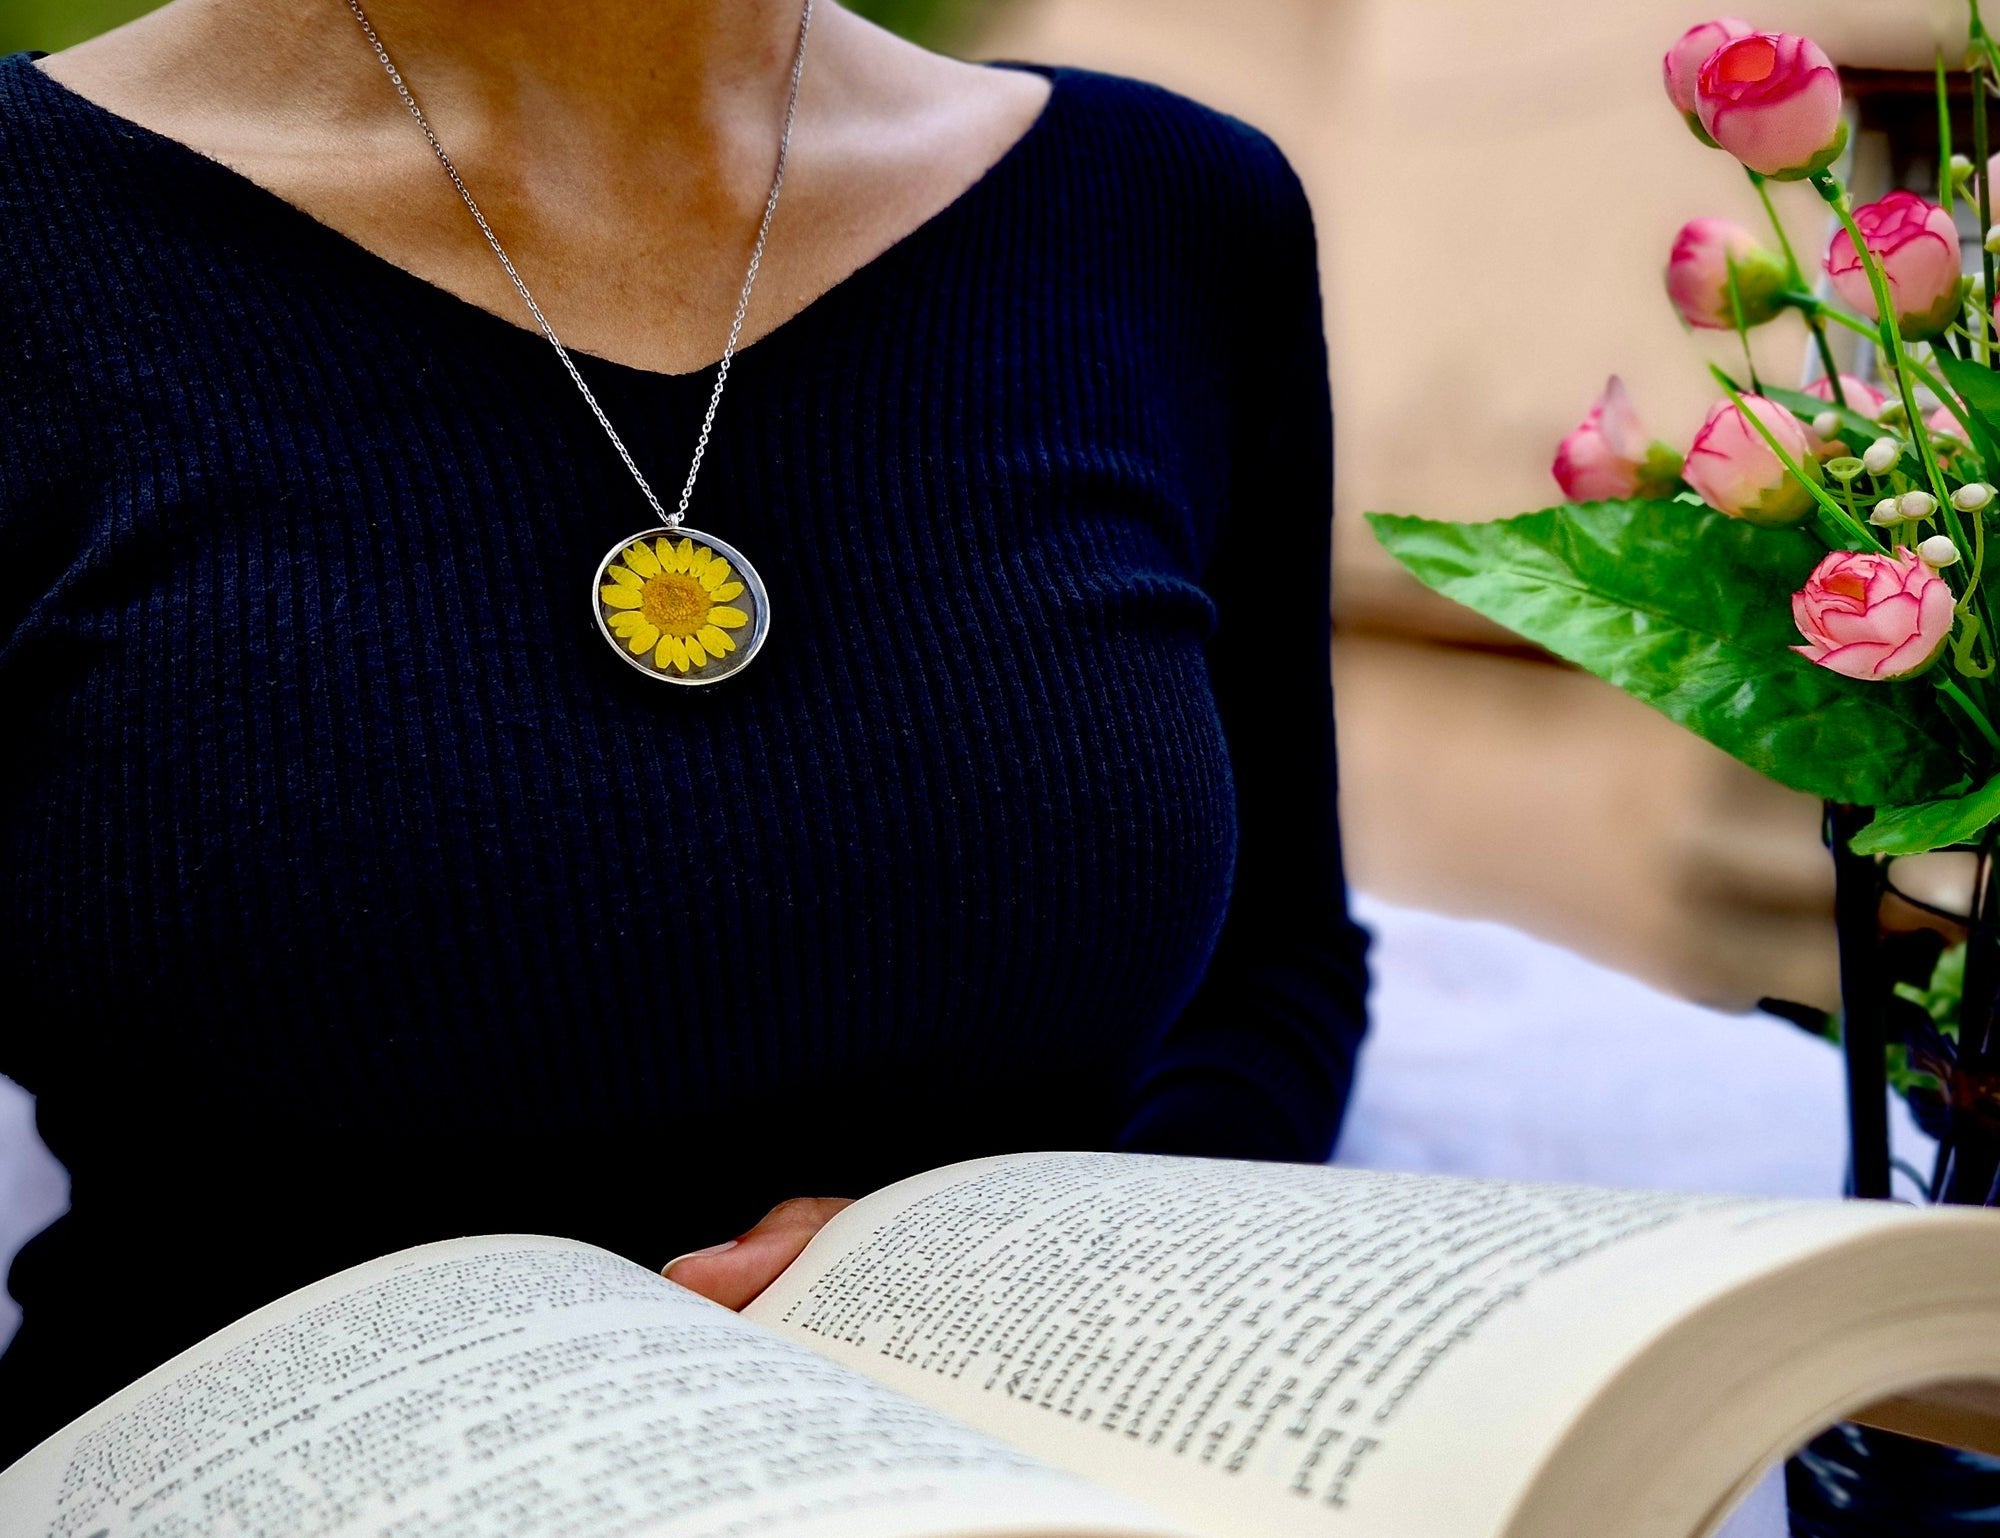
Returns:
(1806, 585)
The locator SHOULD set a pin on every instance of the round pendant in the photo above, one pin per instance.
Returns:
(680, 605)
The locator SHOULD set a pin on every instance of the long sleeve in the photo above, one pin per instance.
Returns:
(1260, 1063)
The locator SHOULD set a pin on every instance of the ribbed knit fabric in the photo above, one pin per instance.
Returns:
(353, 893)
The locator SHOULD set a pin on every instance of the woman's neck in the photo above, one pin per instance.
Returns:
(576, 82)
(678, 66)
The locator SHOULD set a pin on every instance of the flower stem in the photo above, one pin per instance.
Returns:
(1973, 713)
(1945, 190)
(1736, 315)
(1924, 375)
(1777, 228)
(1795, 279)
(1988, 354)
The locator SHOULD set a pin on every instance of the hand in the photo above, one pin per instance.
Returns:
(734, 1272)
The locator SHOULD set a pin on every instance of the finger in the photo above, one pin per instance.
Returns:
(733, 1273)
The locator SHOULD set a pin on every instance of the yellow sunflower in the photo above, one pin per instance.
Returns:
(673, 599)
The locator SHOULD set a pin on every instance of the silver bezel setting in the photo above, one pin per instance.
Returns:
(748, 641)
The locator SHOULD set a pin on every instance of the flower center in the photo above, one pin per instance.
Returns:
(1749, 61)
(674, 601)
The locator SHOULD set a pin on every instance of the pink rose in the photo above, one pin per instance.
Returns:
(1862, 397)
(1734, 470)
(1773, 101)
(1685, 59)
(1698, 275)
(1606, 456)
(1916, 244)
(1872, 616)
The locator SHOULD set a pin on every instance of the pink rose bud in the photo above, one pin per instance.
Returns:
(1734, 470)
(1916, 244)
(1945, 425)
(1698, 275)
(1862, 397)
(1873, 616)
(1685, 59)
(1772, 100)
(1607, 457)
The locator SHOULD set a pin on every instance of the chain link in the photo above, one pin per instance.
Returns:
(671, 520)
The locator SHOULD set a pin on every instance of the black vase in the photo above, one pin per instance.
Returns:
(1854, 1481)
(1857, 1482)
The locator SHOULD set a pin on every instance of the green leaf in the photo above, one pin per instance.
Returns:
(1931, 824)
(1690, 612)
(1979, 388)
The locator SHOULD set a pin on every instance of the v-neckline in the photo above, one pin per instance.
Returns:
(467, 311)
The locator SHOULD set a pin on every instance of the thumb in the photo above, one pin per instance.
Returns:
(734, 1272)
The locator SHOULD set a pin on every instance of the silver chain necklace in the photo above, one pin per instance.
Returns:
(679, 605)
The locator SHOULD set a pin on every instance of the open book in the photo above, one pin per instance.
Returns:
(1069, 1344)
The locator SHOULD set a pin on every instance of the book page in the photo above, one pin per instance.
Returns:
(513, 1387)
(1273, 1349)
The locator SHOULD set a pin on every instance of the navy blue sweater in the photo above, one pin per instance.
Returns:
(354, 893)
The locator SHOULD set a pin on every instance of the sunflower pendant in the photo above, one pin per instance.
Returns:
(680, 605)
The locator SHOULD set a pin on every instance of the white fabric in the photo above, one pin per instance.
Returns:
(1492, 1053)
(34, 1190)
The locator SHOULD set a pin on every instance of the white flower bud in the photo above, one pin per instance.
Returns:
(1993, 240)
(1880, 455)
(1938, 552)
(1886, 514)
(1826, 424)
(1917, 504)
(1961, 169)
(1971, 497)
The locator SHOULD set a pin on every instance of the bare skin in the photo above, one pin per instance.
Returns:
(622, 149)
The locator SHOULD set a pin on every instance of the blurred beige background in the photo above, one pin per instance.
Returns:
(1497, 186)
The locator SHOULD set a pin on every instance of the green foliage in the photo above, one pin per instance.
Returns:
(940, 24)
(1940, 998)
(1979, 389)
(1686, 610)
(1931, 824)
(53, 24)
(1856, 431)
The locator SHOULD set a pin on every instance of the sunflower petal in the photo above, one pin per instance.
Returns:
(626, 575)
(699, 558)
(642, 638)
(639, 556)
(684, 554)
(625, 619)
(725, 591)
(716, 640)
(663, 552)
(676, 650)
(695, 654)
(728, 618)
(714, 574)
(617, 597)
